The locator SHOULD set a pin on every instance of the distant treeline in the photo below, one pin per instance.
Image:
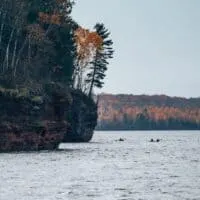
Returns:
(129, 112)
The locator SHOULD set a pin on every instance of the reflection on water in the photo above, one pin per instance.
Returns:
(107, 169)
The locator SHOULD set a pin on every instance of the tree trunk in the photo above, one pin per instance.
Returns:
(19, 54)
(93, 76)
(14, 54)
(6, 59)
(1, 30)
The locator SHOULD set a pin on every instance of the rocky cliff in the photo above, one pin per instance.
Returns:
(24, 137)
(82, 118)
(29, 123)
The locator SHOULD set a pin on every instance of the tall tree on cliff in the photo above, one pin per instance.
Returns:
(102, 55)
(87, 43)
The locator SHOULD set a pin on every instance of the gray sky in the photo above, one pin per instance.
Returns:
(156, 42)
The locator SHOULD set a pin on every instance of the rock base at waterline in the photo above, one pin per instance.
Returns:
(15, 138)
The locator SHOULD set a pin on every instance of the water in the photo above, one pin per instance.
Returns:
(106, 169)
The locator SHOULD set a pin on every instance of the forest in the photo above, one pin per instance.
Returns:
(143, 112)
(40, 43)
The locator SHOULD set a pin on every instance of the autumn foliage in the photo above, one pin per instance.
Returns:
(49, 19)
(148, 112)
(87, 43)
(94, 49)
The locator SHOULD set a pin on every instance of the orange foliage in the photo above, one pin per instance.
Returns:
(50, 19)
(111, 108)
(87, 42)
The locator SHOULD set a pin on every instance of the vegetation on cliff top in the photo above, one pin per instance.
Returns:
(40, 43)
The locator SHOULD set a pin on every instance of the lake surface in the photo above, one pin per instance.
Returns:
(106, 169)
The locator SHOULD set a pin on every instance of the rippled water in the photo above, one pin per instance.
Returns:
(106, 169)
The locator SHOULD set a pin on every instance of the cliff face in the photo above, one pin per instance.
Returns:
(31, 138)
(82, 118)
(143, 112)
(29, 123)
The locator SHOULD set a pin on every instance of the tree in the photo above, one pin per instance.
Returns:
(87, 43)
(100, 62)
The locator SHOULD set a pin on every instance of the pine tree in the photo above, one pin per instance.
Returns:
(99, 64)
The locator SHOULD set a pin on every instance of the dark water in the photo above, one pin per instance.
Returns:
(106, 169)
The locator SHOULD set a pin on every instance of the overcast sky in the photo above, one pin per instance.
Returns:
(156, 42)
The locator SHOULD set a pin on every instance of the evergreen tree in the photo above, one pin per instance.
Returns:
(99, 64)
